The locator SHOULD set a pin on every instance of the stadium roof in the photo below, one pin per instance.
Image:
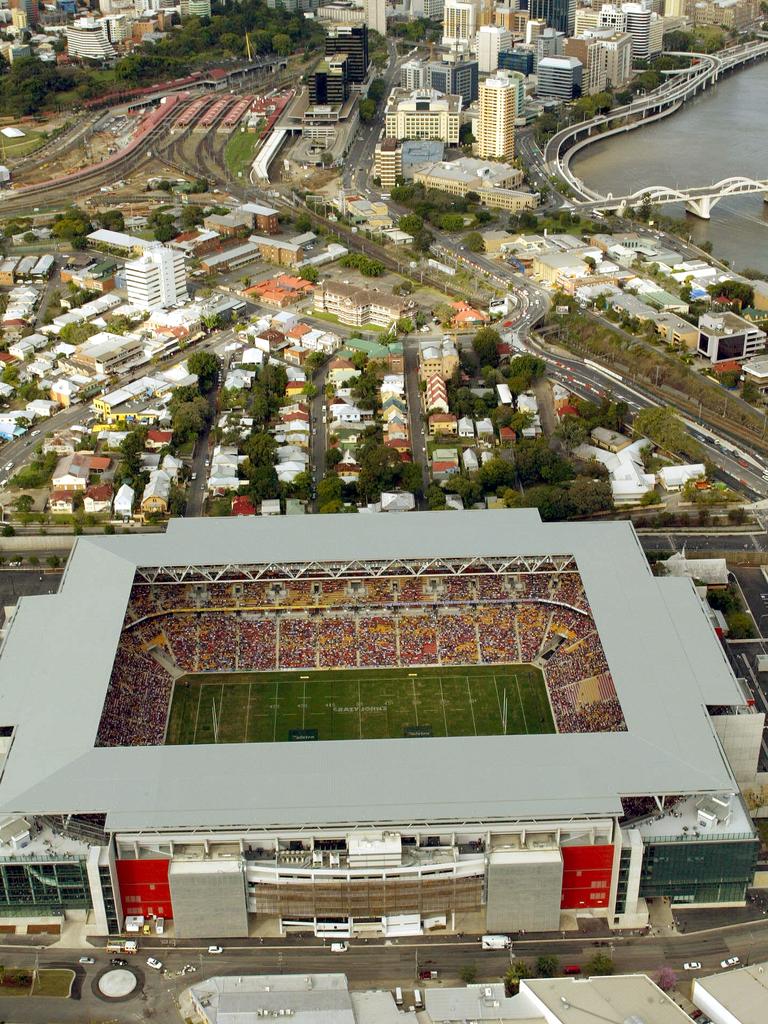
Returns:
(664, 658)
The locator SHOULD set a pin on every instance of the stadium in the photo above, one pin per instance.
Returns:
(376, 725)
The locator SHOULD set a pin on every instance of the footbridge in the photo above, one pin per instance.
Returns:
(678, 87)
(699, 200)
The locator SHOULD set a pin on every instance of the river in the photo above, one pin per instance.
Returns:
(721, 133)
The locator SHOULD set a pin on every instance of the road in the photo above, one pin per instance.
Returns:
(367, 965)
(358, 162)
(415, 419)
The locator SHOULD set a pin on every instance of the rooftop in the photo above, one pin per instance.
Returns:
(670, 745)
(743, 993)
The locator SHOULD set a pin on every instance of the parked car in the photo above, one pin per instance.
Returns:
(215, 949)
(339, 947)
(157, 965)
(86, 960)
(730, 962)
(694, 965)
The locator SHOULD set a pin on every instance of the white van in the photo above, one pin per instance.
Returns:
(496, 942)
(399, 996)
(417, 999)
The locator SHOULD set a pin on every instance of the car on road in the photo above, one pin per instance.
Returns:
(339, 947)
(730, 962)
(693, 965)
(743, 462)
(118, 961)
(215, 949)
(156, 965)
(86, 960)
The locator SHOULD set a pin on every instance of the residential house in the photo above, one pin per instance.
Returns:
(98, 498)
(442, 423)
(123, 504)
(436, 395)
(438, 357)
(466, 427)
(61, 502)
(445, 463)
(467, 316)
(158, 439)
(340, 371)
(242, 506)
(154, 500)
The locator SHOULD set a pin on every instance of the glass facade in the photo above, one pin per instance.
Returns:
(29, 887)
(699, 872)
(109, 898)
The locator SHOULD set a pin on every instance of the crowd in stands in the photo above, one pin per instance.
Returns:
(244, 625)
(138, 696)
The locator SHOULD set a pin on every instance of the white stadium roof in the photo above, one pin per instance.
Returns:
(666, 663)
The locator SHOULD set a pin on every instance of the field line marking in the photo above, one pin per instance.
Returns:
(498, 701)
(274, 720)
(221, 704)
(469, 698)
(304, 706)
(197, 712)
(359, 707)
(247, 713)
(442, 698)
(415, 704)
(520, 698)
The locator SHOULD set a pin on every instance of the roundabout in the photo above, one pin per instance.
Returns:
(118, 983)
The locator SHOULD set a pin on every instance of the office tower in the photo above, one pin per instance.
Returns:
(157, 279)
(353, 41)
(496, 123)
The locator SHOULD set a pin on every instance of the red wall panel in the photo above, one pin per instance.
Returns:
(587, 874)
(144, 887)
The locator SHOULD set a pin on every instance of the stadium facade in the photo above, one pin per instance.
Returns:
(634, 798)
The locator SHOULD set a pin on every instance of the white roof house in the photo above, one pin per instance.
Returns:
(466, 427)
(674, 478)
(123, 503)
(629, 481)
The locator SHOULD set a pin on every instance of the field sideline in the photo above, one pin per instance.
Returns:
(268, 707)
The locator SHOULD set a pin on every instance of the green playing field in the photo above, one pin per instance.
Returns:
(269, 707)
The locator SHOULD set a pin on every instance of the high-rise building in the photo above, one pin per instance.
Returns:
(594, 60)
(522, 61)
(549, 44)
(87, 39)
(533, 29)
(413, 75)
(157, 279)
(329, 84)
(195, 9)
(376, 16)
(617, 47)
(559, 14)
(491, 41)
(459, 78)
(423, 114)
(586, 18)
(643, 24)
(496, 121)
(559, 77)
(460, 21)
(353, 41)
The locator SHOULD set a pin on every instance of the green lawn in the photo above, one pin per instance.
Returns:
(54, 983)
(358, 704)
(18, 148)
(239, 152)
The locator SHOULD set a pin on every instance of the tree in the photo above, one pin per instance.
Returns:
(435, 497)
(546, 966)
(281, 44)
(311, 274)
(485, 344)
(24, 503)
(377, 89)
(190, 418)
(411, 223)
(367, 110)
(572, 432)
(741, 626)
(664, 428)
(329, 492)
(468, 974)
(667, 979)
(451, 222)
(515, 973)
(590, 496)
(206, 366)
(474, 241)
(600, 964)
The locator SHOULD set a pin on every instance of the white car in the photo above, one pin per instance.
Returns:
(215, 949)
(694, 965)
(86, 960)
(339, 947)
(730, 962)
(156, 964)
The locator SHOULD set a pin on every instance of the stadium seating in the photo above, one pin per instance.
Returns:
(244, 625)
